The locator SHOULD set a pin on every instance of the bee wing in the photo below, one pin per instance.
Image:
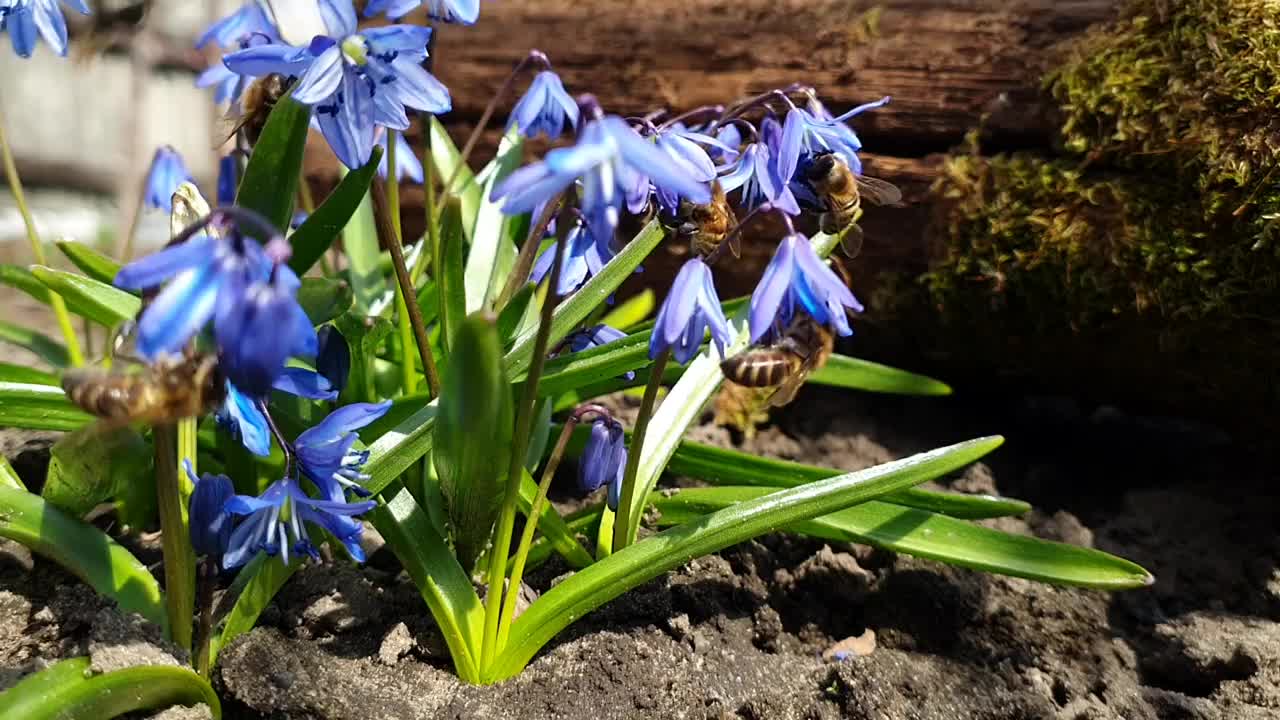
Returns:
(852, 241)
(878, 192)
(786, 392)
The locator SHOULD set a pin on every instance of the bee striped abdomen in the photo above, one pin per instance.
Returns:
(106, 396)
(760, 368)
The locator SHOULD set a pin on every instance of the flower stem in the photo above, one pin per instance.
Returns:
(625, 526)
(534, 56)
(391, 238)
(524, 263)
(37, 250)
(531, 525)
(408, 373)
(501, 549)
(179, 559)
(207, 584)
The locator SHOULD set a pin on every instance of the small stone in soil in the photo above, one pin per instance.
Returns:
(851, 647)
(397, 643)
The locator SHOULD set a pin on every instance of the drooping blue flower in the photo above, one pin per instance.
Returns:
(544, 108)
(797, 279)
(24, 19)
(276, 520)
(251, 18)
(210, 523)
(757, 172)
(690, 309)
(260, 329)
(334, 359)
(815, 131)
(604, 459)
(166, 173)
(463, 12)
(407, 164)
(688, 149)
(325, 450)
(611, 160)
(594, 337)
(240, 417)
(582, 259)
(354, 80)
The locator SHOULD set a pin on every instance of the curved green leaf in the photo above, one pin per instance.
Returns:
(451, 284)
(553, 527)
(254, 587)
(20, 278)
(473, 435)
(847, 372)
(435, 571)
(39, 407)
(88, 467)
(449, 166)
(492, 253)
(317, 233)
(929, 535)
(270, 182)
(99, 302)
(399, 448)
(48, 349)
(635, 564)
(82, 550)
(10, 372)
(69, 690)
(90, 261)
(324, 299)
(360, 245)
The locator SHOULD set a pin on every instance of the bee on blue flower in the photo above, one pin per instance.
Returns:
(796, 279)
(813, 132)
(354, 80)
(251, 24)
(166, 173)
(24, 19)
(463, 12)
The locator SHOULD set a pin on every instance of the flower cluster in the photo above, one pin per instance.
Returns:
(25, 19)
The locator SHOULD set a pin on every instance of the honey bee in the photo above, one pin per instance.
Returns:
(707, 226)
(257, 103)
(804, 346)
(842, 192)
(172, 388)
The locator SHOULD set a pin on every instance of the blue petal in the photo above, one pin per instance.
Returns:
(773, 286)
(339, 17)
(305, 383)
(22, 30)
(241, 417)
(152, 270)
(52, 26)
(262, 60)
(397, 38)
(179, 312)
(862, 108)
(419, 89)
(648, 159)
(321, 79)
(348, 418)
(528, 187)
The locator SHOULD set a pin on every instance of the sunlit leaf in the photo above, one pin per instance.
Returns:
(316, 234)
(69, 690)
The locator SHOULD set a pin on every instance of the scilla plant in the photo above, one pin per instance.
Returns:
(284, 393)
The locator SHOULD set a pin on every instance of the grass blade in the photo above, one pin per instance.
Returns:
(69, 689)
(39, 407)
(847, 372)
(255, 586)
(317, 233)
(448, 164)
(89, 261)
(88, 298)
(553, 527)
(10, 372)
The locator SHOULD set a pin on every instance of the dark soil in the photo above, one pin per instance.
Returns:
(743, 634)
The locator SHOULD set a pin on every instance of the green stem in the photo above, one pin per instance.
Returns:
(179, 560)
(433, 219)
(604, 533)
(208, 583)
(526, 537)
(501, 548)
(409, 373)
(37, 250)
(625, 527)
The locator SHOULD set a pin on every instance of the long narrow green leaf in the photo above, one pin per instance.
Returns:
(255, 586)
(399, 448)
(69, 690)
(270, 182)
(635, 564)
(360, 243)
(10, 372)
(39, 407)
(448, 164)
(855, 374)
(20, 278)
(9, 477)
(451, 281)
(90, 261)
(439, 578)
(591, 295)
(553, 527)
(82, 550)
(490, 248)
(317, 233)
(929, 535)
(97, 301)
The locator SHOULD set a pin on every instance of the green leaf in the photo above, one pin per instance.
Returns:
(39, 407)
(363, 335)
(317, 233)
(270, 182)
(591, 295)
(399, 448)
(48, 349)
(582, 524)
(635, 564)
(324, 299)
(571, 371)
(490, 249)
(82, 550)
(932, 536)
(847, 372)
(22, 279)
(89, 298)
(9, 477)
(553, 527)
(254, 587)
(632, 312)
(88, 467)
(70, 690)
(90, 261)
(511, 316)
(451, 283)
(23, 374)
(448, 160)
(443, 583)
(360, 243)
(473, 435)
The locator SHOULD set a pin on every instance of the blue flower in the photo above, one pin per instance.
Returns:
(325, 454)
(407, 164)
(24, 18)
(260, 329)
(228, 179)
(231, 31)
(241, 416)
(685, 148)
(354, 80)
(275, 522)
(604, 459)
(582, 259)
(334, 359)
(227, 85)
(796, 278)
(464, 12)
(691, 308)
(544, 108)
(167, 172)
(594, 337)
(757, 172)
(808, 134)
(611, 160)
(209, 522)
